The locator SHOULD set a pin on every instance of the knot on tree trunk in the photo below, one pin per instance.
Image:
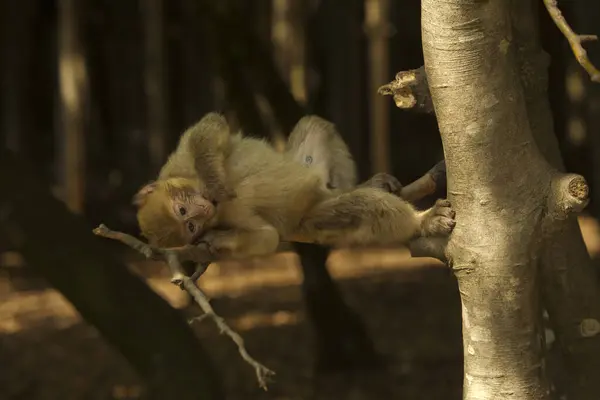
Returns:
(569, 193)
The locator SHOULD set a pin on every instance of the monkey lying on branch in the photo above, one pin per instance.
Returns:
(236, 197)
(222, 195)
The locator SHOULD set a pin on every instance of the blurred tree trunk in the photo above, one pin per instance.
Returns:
(115, 40)
(378, 29)
(143, 327)
(17, 27)
(73, 89)
(339, 54)
(155, 81)
(198, 74)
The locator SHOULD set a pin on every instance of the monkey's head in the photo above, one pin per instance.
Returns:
(174, 212)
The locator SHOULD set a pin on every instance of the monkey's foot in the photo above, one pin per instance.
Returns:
(438, 220)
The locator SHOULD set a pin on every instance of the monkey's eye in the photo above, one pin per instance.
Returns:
(308, 160)
(182, 211)
(191, 227)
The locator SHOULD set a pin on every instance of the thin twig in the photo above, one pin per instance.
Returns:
(198, 253)
(574, 39)
(174, 257)
(179, 278)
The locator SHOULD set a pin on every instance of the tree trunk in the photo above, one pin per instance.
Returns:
(507, 198)
(378, 30)
(143, 327)
(155, 78)
(571, 290)
(17, 21)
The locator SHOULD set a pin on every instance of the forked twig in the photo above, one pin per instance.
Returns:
(574, 39)
(174, 257)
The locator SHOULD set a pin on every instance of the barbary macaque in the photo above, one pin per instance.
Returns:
(239, 197)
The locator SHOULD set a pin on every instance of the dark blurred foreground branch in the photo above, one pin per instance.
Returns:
(575, 40)
(174, 258)
(151, 335)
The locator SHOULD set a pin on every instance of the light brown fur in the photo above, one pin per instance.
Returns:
(268, 196)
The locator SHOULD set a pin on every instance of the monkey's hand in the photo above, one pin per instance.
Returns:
(219, 192)
(220, 243)
(438, 220)
(385, 182)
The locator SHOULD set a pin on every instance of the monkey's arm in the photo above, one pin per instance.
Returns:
(368, 216)
(208, 142)
(248, 236)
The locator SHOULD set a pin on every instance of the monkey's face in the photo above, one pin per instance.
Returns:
(192, 211)
(174, 213)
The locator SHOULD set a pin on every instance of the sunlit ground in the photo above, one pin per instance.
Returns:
(410, 307)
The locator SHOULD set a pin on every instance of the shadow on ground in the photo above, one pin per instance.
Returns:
(413, 317)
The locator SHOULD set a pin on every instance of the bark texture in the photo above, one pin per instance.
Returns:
(570, 287)
(508, 199)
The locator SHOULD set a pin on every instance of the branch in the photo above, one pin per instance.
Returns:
(410, 90)
(574, 39)
(569, 193)
(174, 257)
(179, 278)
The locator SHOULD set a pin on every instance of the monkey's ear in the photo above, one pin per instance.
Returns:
(140, 197)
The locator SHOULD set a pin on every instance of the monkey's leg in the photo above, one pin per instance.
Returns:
(364, 216)
(369, 216)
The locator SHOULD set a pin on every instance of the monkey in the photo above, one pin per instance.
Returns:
(254, 193)
(265, 197)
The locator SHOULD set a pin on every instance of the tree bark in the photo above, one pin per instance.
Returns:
(506, 196)
(571, 290)
(143, 327)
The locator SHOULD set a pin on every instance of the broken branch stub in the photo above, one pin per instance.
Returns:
(569, 193)
(410, 90)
